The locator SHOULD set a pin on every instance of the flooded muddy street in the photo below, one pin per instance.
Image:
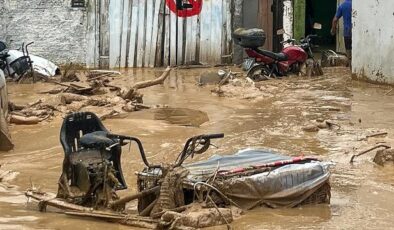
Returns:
(275, 116)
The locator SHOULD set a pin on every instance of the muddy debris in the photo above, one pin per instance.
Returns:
(379, 159)
(319, 124)
(93, 90)
(384, 157)
(197, 216)
(6, 176)
(331, 58)
(31, 113)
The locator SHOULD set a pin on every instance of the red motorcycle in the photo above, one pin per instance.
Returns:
(264, 64)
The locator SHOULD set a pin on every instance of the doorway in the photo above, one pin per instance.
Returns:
(322, 12)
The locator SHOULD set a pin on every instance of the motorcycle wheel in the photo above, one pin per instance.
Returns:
(259, 73)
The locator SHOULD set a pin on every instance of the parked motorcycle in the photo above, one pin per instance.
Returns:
(264, 64)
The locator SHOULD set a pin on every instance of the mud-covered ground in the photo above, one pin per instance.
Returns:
(271, 114)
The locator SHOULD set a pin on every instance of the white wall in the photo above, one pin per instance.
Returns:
(373, 40)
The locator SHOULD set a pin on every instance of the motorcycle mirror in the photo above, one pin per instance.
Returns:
(280, 32)
(317, 26)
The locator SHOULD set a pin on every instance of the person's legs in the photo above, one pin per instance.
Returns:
(348, 46)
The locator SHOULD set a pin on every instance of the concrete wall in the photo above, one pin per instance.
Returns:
(58, 31)
(373, 40)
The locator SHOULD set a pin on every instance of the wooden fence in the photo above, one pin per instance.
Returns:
(149, 33)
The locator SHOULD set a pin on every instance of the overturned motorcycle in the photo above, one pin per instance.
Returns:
(178, 195)
(20, 64)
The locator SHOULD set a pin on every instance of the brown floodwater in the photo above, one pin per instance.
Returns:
(362, 193)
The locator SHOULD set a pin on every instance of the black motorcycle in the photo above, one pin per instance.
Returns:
(18, 68)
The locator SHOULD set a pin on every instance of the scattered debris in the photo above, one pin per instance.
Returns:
(383, 156)
(7, 176)
(330, 58)
(320, 124)
(194, 66)
(377, 135)
(209, 77)
(311, 128)
(96, 91)
(132, 92)
(69, 73)
(369, 150)
(31, 113)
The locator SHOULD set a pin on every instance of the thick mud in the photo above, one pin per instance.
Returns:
(272, 116)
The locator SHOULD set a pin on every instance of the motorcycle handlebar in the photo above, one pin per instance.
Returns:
(288, 41)
(139, 144)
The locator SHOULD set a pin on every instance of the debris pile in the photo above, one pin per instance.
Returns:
(92, 92)
(31, 113)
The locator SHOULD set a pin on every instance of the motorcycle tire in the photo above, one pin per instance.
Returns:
(259, 73)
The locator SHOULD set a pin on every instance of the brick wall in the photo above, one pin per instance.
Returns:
(57, 29)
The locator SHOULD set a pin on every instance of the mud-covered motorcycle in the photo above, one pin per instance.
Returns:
(92, 170)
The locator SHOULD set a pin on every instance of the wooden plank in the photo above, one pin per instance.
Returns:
(160, 35)
(205, 32)
(141, 32)
(104, 34)
(133, 34)
(155, 29)
(179, 43)
(229, 28)
(190, 40)
(216, 32)
(224, 28)
(124, 33)
(91, 35)
(97, 51)
(166, 60)
(115, 27)
(149, 30)
(128, 34)
(198, 39)
(173, 44)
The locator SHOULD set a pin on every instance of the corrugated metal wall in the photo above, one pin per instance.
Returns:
(148, 33)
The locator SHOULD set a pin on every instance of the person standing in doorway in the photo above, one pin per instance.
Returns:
(345, 11)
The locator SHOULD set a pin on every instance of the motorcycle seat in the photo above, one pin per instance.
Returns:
(96, 139)
(276, 56)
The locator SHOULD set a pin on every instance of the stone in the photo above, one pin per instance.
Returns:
(311, 128)
(384, 156)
